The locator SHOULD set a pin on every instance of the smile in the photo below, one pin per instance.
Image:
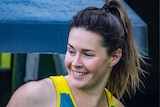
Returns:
(80, 73)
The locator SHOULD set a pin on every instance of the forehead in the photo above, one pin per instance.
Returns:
(84, 38)
(80, 34)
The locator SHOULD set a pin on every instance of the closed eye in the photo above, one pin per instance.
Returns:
(88, 54)
(71, 50)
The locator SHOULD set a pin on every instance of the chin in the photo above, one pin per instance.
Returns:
(77, 83)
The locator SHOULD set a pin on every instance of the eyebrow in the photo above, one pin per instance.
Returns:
(82, 49)
(70, 45)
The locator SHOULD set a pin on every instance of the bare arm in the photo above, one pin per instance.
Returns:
(34, 94)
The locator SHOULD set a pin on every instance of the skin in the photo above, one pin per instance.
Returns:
(84, 55)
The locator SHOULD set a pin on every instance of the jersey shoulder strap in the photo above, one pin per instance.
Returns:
(111, 100)
(64, 95)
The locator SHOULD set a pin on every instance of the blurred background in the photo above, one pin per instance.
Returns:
(147, 10)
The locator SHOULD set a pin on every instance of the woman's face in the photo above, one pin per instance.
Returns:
(86, 60)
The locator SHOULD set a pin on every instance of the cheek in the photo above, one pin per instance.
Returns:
(97, 66)
(67, 61)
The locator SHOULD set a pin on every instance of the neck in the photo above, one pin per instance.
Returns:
(92, 97)
(89, 99)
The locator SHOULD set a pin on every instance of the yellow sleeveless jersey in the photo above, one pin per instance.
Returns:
(65, 97)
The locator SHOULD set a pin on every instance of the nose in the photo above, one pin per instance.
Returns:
(77, 61)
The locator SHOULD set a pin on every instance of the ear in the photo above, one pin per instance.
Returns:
(115, 57)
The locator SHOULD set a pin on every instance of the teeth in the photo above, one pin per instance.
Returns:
(80, 73)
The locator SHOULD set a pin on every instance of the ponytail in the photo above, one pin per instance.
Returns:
(125, 75)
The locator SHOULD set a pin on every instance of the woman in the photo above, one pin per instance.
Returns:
(100, 53)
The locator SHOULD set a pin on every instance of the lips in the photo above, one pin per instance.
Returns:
(80, 73)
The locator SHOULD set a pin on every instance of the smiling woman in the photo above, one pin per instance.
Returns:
(101, 60)
(86, 62)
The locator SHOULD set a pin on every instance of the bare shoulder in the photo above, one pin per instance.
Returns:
(34, 93)
(118, 103)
